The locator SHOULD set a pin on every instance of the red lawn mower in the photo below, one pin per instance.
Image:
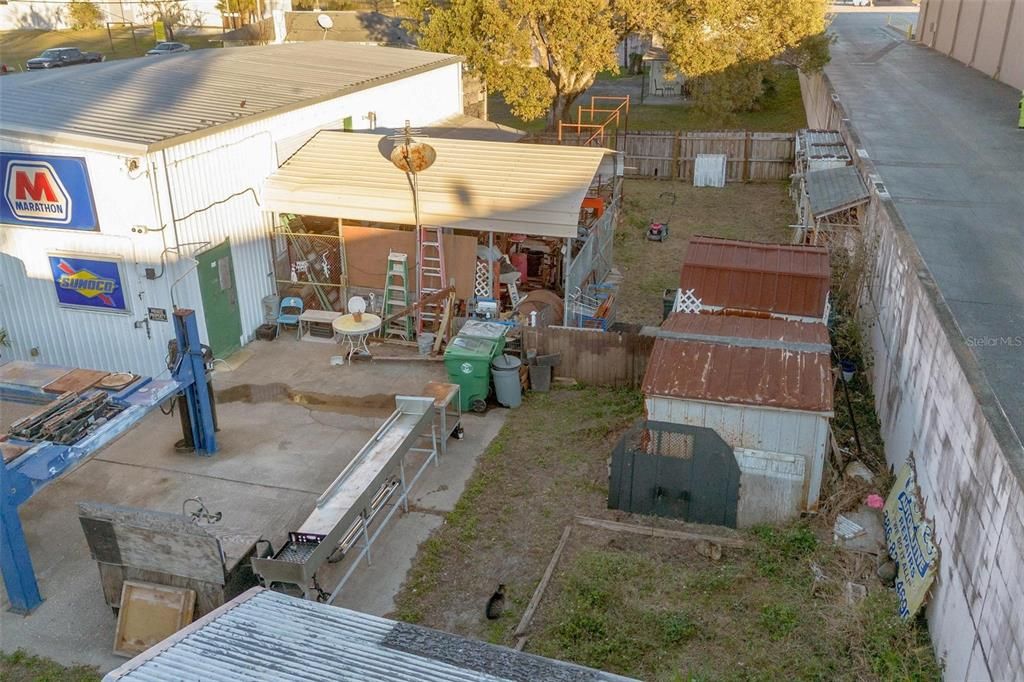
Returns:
(657, 230)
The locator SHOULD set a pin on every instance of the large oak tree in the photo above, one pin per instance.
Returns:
(541, 55)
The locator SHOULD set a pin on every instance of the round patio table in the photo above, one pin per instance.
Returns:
(355, 333)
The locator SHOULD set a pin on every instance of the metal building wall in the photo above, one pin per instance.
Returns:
(221, 173)
(987, 35)
(28, 303)
(788, 432)
(230, 167)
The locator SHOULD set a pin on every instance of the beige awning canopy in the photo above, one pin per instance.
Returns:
(474, 185)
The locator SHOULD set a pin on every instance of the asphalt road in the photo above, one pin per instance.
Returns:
(945, 141)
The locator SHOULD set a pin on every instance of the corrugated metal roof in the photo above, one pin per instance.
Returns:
(465, 127)
(778, 278)
(834, 189)
(265, 635)
(147, 101)
(483, 186)
(823, 144)
(771, 370)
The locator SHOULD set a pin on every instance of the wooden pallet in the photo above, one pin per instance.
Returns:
(75, 381)
(149, 614)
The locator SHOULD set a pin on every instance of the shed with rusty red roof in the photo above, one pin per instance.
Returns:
(786, 280)
(765, 385)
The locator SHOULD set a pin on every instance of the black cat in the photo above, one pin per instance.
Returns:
(496, 604)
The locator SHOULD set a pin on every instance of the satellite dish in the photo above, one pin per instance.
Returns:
(413, 157)
(325, 22)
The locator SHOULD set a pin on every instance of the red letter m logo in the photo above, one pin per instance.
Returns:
(37, 187)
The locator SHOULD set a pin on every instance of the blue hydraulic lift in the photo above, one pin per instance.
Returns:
(45, 461)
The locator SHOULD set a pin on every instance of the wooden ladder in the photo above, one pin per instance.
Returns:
(396, 296)
(431, 276)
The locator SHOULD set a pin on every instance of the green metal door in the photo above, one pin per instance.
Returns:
(220, 300)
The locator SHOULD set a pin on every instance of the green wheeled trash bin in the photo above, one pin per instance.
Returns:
(468, 361)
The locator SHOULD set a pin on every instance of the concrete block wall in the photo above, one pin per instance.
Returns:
(935, 405)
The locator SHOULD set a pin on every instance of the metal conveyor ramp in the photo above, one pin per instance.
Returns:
(344, 511)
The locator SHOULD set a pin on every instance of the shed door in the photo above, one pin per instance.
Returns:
(220, 300)
(695, 476)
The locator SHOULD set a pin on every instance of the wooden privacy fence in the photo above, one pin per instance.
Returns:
(671, 154)
(594, 357)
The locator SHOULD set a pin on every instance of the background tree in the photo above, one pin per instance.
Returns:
(730, 49)
(543, 54)
(245, 9)
(174, 14)
(83, 14)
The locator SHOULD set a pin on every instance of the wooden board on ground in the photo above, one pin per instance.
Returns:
(538, 594)
(150, 614)
(76, 380)
(725, 541)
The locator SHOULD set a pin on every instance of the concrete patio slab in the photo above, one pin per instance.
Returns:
(289, 423)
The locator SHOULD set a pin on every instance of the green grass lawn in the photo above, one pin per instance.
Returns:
(645, 607)
(22, 667)
(781, 112)
(18, 46)
(655, 610)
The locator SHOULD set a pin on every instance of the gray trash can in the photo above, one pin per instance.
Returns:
(271, 306)
(507, 389)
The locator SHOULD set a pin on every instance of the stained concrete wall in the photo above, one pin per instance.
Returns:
(985, 34)
(934, 404)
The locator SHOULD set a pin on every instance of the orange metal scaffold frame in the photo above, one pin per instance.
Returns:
(616, 117)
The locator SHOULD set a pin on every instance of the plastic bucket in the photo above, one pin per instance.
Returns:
(507, 388)
(425, 341)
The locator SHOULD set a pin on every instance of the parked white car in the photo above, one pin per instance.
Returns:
(168, 48)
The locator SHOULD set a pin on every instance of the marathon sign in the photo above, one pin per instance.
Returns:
(93, 283)
(47, 191)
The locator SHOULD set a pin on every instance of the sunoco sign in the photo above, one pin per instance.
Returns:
(47, 191)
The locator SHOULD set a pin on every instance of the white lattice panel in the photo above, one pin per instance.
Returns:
(686, 302)
(480, 288)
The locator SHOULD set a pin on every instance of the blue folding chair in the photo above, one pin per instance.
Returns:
(295, 304)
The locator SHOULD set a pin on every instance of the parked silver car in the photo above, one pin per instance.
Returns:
(168, 48)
